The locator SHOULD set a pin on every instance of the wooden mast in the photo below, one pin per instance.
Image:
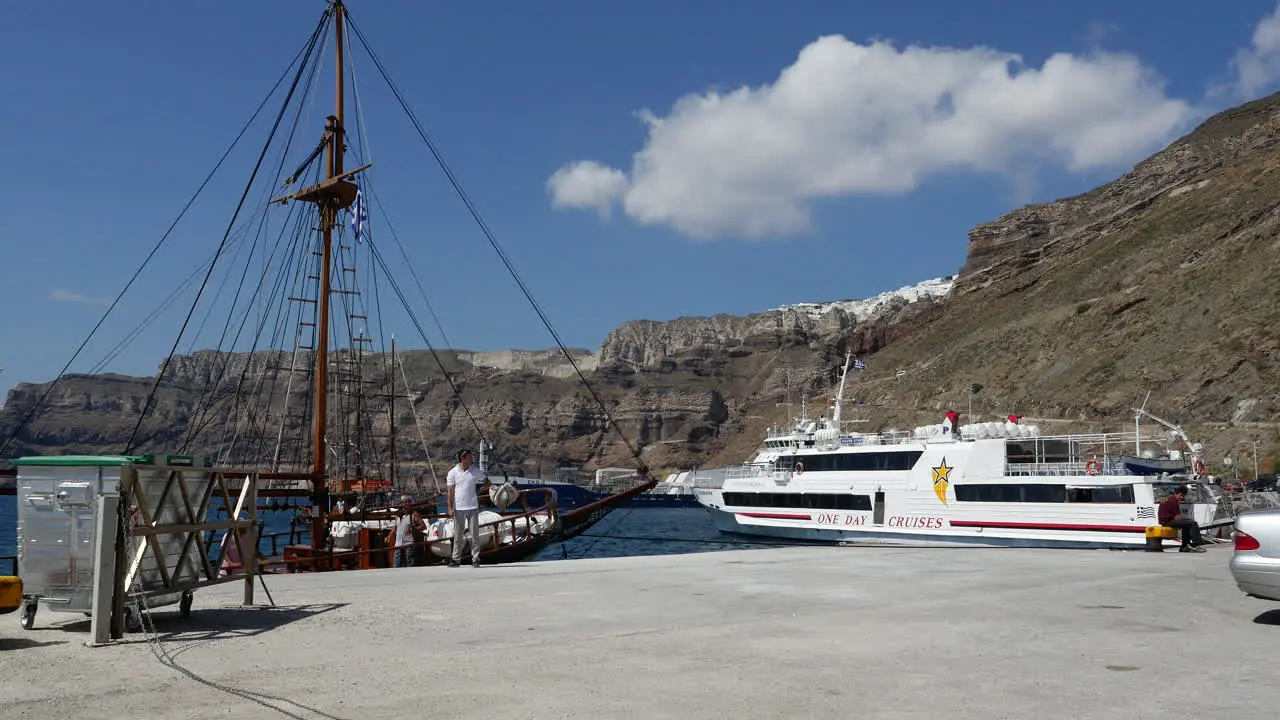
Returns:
(331, 195)
(328, 220)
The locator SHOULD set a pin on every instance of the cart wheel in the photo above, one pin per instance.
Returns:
(184, 605)
(132, 622)
(28, 617)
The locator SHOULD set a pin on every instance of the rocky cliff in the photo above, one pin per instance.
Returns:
(1165, 281)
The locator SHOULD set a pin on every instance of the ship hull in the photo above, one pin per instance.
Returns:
(734, 524)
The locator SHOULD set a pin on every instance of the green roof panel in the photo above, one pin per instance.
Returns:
(83, 460)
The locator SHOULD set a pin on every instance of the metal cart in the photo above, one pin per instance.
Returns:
(72, 555)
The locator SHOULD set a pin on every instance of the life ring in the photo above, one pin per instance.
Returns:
(1092, 467)
(1197, 466)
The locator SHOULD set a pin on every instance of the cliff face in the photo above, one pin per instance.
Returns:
(1163, 281)
(1243, 138)
(678, 390)
(1166, 281)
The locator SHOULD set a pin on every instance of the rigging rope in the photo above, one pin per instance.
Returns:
(155, 312)
(36, 407)
(489, 235)
(448, 376)
(364, 153)
(315, 37)
(295, 247)
(210, 392)
(202, 415)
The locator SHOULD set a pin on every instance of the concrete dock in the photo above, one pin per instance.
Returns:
(792, 632)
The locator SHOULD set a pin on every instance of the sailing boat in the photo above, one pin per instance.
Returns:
(310, 419)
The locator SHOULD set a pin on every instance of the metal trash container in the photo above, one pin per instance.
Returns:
(60, 533)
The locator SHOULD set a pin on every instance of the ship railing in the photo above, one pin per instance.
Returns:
(753, 472)
(896, 437)
(1120, 439)
(532, 521)
(1118, 442)
(1103, 466)
(739, 472)
(884, 437)
(1052, 469)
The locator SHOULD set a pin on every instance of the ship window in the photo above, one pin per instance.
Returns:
(846, 462)
(1011, 493)
(1114, 494)
(1033, 451)
(807, 501)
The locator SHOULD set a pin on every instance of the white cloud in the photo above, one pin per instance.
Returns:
(851, 119)
(587, 184)
(1258, 66)
(68, 296)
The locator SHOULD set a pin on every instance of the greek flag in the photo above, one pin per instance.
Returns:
(1146, 512)
(359, 217)
(859, 365)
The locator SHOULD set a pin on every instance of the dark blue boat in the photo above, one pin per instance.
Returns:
(1134, 465)
(572, 496)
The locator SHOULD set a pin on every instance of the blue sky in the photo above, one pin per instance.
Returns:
(829, 190)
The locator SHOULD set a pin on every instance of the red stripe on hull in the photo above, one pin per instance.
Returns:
(1048, 526)
(776, 516)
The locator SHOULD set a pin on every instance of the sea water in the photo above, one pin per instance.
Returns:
(625, 532)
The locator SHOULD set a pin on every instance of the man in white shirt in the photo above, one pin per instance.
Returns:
(464, 506)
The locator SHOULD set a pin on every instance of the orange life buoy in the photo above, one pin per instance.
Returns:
(1093, 467)
(1197, 466)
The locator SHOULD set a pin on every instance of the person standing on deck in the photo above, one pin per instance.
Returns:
(464, 506)
(1170, 515)
(408, 528)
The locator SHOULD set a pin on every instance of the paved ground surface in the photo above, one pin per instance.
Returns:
(794, 632)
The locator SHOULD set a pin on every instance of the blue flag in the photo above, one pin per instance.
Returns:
(359, 217)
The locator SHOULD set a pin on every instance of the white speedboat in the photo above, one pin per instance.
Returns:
(994, 483)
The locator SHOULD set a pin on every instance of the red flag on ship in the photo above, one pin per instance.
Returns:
(1014, 419)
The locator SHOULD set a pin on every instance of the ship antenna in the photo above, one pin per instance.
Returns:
(835, 416)
(1137, 425)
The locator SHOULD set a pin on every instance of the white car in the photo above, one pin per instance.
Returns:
(1256, 562)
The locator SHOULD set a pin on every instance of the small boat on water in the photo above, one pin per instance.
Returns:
(673, 492)
(992, 483)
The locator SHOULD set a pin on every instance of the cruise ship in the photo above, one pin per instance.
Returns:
(991, 483)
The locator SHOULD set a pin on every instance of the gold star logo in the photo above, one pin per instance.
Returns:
(941, 480)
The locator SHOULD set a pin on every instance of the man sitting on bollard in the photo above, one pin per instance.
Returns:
(1170, 515)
